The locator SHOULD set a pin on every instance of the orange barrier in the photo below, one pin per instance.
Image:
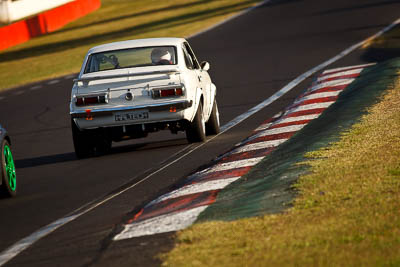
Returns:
(45, 22)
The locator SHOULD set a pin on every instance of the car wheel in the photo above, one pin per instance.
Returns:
(196, 131)
(83, 143)
(213, 126)
(8, 174)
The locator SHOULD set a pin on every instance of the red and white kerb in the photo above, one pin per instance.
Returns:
(180, 208)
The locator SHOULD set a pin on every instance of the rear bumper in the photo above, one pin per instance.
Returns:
(100, 112)
(106, 117)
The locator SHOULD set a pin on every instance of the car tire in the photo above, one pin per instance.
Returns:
(196, 131)
(103, 142)
(83, 143)
(8, 175)
(213, 126)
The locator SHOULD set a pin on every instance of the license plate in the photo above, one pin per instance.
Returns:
(132, 116)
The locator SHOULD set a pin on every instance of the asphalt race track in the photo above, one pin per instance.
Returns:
(251, 58)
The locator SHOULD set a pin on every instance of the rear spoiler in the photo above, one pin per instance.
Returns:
(86, 80)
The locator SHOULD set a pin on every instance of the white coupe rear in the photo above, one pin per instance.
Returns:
(131, 88)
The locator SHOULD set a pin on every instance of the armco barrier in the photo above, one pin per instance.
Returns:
(45, 22)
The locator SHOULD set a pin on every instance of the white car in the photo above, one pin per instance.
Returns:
(131, 88)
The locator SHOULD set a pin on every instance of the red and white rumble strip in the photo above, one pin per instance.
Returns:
(180, 208)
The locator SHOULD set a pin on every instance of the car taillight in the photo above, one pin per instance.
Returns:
(179, 91)
(91, 100)
(167, 92)
(79, 101)
(157, 93)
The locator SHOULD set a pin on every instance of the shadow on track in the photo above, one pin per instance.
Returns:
(70, 156)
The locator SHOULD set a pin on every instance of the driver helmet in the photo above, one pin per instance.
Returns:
(160, 54)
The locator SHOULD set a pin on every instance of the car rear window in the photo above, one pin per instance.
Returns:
(131, 58)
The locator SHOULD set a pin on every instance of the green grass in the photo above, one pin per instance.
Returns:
(62, 52)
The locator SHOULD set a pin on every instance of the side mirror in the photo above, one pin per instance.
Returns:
(205, 65)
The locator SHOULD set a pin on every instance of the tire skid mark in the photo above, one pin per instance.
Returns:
(33, 88)
(179, 208)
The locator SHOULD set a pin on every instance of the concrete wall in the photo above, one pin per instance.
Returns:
(45, 22)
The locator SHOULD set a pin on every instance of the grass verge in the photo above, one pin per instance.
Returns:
(346, 212)
(61, 53)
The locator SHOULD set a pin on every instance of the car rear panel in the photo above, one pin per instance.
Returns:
(130, 99)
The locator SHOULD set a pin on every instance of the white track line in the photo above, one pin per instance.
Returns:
(26, 242)
(19, 92)
(363, 65)
(53, 82)
(70, 76)
(21, 245)
(195, 188)
(35, 87)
